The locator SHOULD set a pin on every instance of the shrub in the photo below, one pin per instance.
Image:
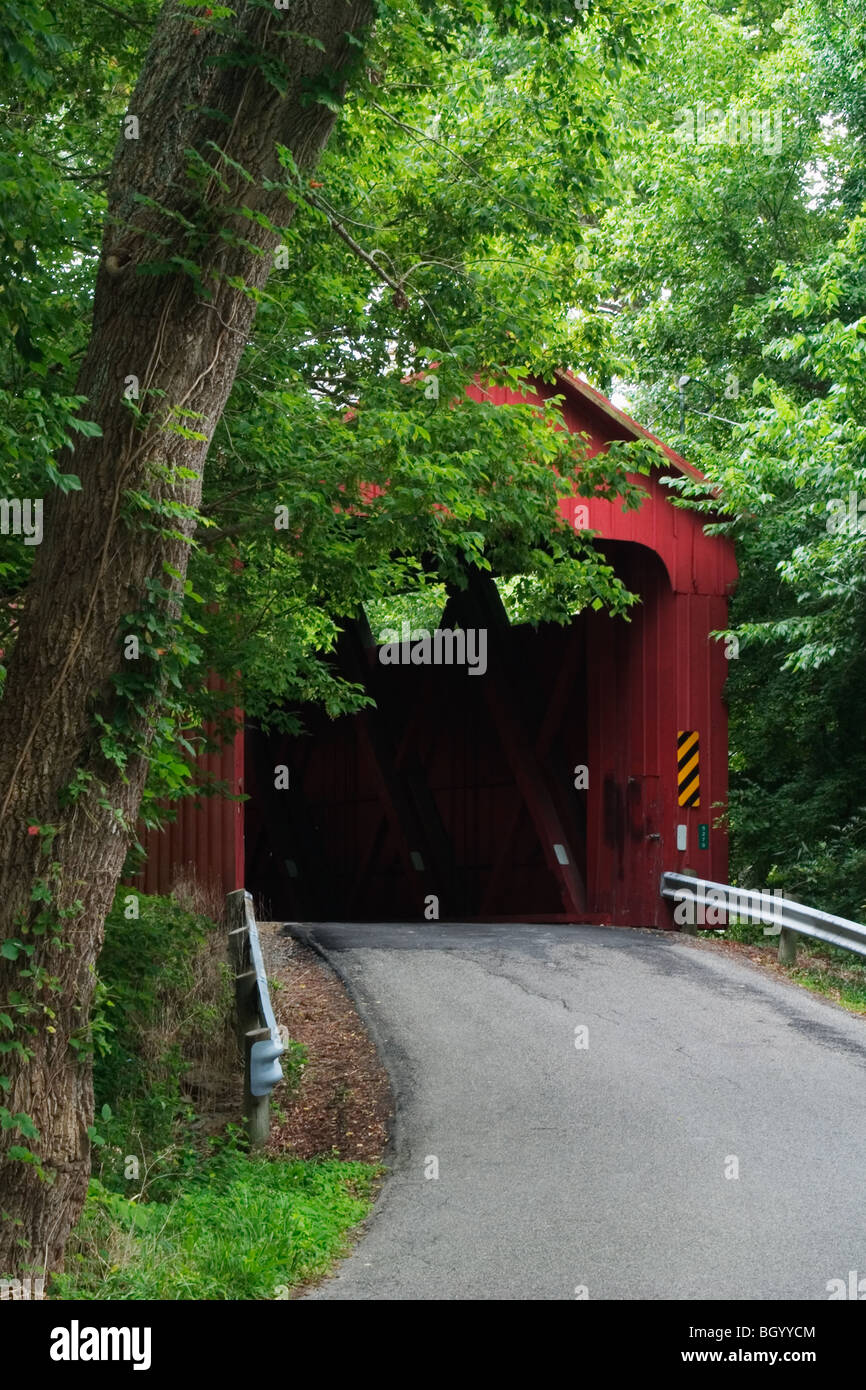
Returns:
(166, 1068)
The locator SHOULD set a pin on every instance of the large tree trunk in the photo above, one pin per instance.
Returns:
(182, 340)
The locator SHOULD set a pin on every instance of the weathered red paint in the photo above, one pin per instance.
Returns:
(207, 837)
(461, 787)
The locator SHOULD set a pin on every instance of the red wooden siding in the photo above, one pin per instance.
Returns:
(207, 836)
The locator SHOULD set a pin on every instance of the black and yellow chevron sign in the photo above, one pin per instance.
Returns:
(688, 768)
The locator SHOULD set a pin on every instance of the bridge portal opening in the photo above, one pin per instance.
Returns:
(503, 794)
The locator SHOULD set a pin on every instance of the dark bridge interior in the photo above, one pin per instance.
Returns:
(455, 787)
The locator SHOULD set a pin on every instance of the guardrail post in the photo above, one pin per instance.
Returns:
(787, 946)
(257, 1030)
(257, 1109)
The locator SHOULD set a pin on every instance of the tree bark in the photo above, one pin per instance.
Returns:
(182, 338)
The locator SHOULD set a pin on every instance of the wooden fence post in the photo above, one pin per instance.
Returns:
(252, 1011)
(787, 946)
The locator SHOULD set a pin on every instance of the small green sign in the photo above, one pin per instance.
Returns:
(703, 836)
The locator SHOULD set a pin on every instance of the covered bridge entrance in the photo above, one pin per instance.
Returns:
(557, 785)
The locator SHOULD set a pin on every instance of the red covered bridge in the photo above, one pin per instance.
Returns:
(554, 788)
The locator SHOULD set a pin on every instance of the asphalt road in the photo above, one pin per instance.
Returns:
(606, 1167)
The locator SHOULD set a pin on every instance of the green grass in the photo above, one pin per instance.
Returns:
(849, 989)
(826, 970)
(254, 1228)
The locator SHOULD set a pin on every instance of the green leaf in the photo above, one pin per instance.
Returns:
(89, 428)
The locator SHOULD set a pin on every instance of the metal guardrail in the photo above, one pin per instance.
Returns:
(783, 917)
(259, 1035)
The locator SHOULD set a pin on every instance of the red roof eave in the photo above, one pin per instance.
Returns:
(589, 393)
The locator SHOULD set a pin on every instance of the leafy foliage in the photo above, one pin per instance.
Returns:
(737, 264)
(509, 191)
(442, 234)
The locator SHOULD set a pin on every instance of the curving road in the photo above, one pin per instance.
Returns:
(603, 1167)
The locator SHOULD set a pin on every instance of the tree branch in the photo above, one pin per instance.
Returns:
(121, 14)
